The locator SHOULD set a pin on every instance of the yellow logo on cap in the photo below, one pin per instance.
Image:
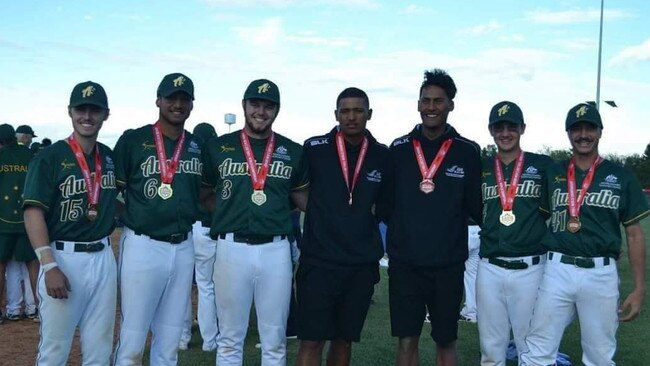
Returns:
(263, 88)
(581, 111)
(179, 81)
(503, 110)
(87, 91)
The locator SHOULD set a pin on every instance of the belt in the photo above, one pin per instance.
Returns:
(522, 263)
(582, 262)
(249, 239)
(205, 224)
(69, 247)
(171, 239)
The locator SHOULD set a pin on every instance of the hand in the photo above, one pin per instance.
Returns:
(57, 283)
(631, 307)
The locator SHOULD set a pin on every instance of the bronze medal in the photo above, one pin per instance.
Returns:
(165, 191)
(258, 197)
(92, 212)
(574, 225)
(427, 186)
(507, 218)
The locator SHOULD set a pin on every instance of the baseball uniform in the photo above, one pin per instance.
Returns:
(253, 260)
(468, 312)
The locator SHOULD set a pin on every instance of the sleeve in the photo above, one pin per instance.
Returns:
(386, 199)
(40, 184)
(634, 204)
(547, 163)
(300, 180)
(208, 176)
(473, 200)
(121, 158)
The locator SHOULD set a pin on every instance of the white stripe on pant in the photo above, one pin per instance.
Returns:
(244, 273)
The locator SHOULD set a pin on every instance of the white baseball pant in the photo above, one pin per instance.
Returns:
(566, 291)
(243, 274)
(505, 300)
(471, 266)
(90, 306)
(17, 282)
(155, 283)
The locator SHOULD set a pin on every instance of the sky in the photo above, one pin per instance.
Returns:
(541, 55)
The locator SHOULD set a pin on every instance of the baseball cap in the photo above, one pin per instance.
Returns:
(204, 131)
(583, 112)
(506, 112)
(88, 92)
(263, 89)
(7, 132)
(24, 129)
(175, 82)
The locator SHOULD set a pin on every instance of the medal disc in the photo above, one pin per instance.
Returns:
(507, 218)
(165, 191)
(574, 225)
(92, 212)
(427, 186)
(258, 197)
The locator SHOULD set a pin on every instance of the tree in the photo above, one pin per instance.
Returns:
(489, 151)
(556, 155)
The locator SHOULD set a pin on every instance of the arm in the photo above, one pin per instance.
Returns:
(300, 198)
(631, 307)
(56, 282)
(207, 199)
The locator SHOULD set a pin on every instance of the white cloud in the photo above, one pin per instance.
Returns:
(413, 9)
(266, 34)
(517, 38)
(481, 29)
(577, 44)
(545, 16)
(369, 4)
(632, 54)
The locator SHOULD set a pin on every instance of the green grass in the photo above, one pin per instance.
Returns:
(377, 347)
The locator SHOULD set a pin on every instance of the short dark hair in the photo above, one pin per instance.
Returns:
(353, 92)
(439, 78)
(46, 142)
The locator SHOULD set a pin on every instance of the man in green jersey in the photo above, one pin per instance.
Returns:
(255, 172)
(589, 199)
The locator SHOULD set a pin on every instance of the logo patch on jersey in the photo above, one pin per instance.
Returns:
(611, 181)
(560, 178)
(485, 174)
(374, 176)
(65, 164)
(455, 171)
(148, 146)
(401, 141)
(226, 148)
(323, 141)
(531, 173)
(281, 153)
(109, 163)
(194, 147)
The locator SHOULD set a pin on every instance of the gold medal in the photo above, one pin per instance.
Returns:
(258, 197)
(507, 218)
(165, 191)
(92, 212)
(574, 225)
(427, 186)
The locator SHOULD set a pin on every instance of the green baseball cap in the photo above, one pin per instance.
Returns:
(175, 82)
(506, 112)
(204, 131)
(26, 130)
(7, 132)
(263, 89)
(88, 92)
(583, 112)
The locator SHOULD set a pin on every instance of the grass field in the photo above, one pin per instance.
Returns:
(377, 347)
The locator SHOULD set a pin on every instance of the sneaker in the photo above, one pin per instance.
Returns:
(183, 345)
(466, 319)
(32, 316)
(13, 317)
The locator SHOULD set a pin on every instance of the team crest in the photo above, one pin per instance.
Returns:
(179, 81)
(87, 91)
(67, 165)
(611, 181)
(281, 153)
(147, 146)
(194, 147)
(582, 111)
(455, 171)
(374, 176)
(263, 88)
(226, 149)
(559, 178)
(503, 110)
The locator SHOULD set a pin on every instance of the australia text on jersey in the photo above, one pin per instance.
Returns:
(72, 185)
(277, 169)
(151, 167)
(604, 198)
(526, 189)
(13, 168)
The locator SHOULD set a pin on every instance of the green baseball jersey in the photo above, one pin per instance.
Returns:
(227, 171)
(614, 198)
(55, 183)
(137, 171)
(14, 160)
(525, 235)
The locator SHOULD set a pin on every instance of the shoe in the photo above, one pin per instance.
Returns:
(32, 316)
(466, 319)
(183, 346)
(13, 317)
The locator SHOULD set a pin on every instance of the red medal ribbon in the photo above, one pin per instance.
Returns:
(507, 196)
(343, 160)
(437, 161)
(575, 203)
(167, 168)
(258, 178)
(92, 186)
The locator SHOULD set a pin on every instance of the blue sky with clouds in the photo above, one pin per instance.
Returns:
(541, 55)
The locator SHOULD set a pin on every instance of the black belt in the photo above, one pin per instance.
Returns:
(97, 246)
(514, 264)
(250, 239)
(582, 262)
(205, 224)
(171, 239)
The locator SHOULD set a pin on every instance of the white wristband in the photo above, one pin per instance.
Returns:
(49, 266)
(39, 251)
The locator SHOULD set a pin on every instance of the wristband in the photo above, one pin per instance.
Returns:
(39, 251)
(49, 266)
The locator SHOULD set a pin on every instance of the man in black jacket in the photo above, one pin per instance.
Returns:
(433, 180)
(341, 244)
